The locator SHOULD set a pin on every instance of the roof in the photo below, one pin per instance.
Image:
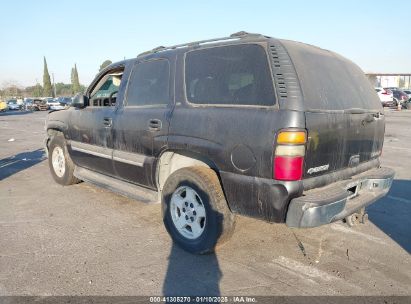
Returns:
(239, 36)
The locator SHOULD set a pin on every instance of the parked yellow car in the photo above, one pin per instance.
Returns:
(3, 106)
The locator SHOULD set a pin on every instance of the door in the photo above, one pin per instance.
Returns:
(91, 127)
(141, 125)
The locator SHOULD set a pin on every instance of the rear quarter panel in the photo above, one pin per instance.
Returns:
(237, 140)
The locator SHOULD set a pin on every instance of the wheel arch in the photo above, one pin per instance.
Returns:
(56, 125)
(170, 161)
(52, 130)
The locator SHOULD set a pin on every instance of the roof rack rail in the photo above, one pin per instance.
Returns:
(244, 33)
(238, 35)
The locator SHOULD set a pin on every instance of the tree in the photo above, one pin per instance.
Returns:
(75, 82)
(72, 81)
(11, 88)
(63, 89)
(72, 75)
(105, 64)
(37, 90)
(33, 91)
(47, 89)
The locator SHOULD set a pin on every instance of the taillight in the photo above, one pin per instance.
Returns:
(289, 155)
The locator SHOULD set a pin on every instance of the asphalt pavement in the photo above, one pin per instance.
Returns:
(83, 240)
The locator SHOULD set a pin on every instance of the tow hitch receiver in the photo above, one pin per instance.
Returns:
(356, 218)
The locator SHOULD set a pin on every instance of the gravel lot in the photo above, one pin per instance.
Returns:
(83, 240)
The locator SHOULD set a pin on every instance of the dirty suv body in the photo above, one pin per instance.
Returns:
(248, 124)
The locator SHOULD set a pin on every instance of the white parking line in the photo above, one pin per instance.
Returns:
(298, 267)
(9, 163)
(399, 148)
(342, 228)
(400, 199)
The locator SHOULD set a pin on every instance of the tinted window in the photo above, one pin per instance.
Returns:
(237, 75)
(329, 81)
(149, 84)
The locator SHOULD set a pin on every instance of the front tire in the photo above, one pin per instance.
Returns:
(195, 212)
(60, 164)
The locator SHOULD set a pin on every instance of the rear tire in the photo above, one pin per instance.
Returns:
(395, 102)
(60, 164)
(195, 212)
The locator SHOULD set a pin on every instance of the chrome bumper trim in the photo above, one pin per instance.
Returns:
(335, 202)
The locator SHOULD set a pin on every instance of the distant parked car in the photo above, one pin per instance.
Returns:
(52, 103)
(386, 97)
(399, 97)
(39, 105)
(392, 88)
(28, 104)
(3, 106)
(13, 105)
(408, 92)
(65, 101)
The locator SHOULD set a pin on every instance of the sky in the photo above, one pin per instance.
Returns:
(374, 34)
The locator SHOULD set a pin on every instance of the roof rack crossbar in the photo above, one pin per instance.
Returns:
(234, 36)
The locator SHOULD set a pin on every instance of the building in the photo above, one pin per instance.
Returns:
(399, 80)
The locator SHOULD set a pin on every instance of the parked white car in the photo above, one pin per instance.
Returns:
(54, 104)
(13, 104)
(386, 97)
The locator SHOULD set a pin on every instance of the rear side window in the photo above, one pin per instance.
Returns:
(149, 84)
(229, 75)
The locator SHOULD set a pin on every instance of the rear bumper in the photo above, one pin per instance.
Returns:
(336, 201)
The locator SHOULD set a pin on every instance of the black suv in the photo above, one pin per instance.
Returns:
(248, 124)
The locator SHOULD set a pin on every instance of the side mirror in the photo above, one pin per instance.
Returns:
(80, 101)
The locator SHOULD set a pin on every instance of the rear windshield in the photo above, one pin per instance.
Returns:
(329, 81)
(229, 75)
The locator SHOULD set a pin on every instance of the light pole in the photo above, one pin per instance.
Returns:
(54, 85)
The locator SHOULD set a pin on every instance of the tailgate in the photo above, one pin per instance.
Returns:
(341, 140)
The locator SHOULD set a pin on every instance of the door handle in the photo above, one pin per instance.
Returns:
(107, 122)
(155, 125)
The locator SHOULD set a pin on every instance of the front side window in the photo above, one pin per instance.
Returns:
(229, 75)
(149, 84)
(105, 92)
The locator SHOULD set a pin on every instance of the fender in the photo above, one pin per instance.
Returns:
(57, 125)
